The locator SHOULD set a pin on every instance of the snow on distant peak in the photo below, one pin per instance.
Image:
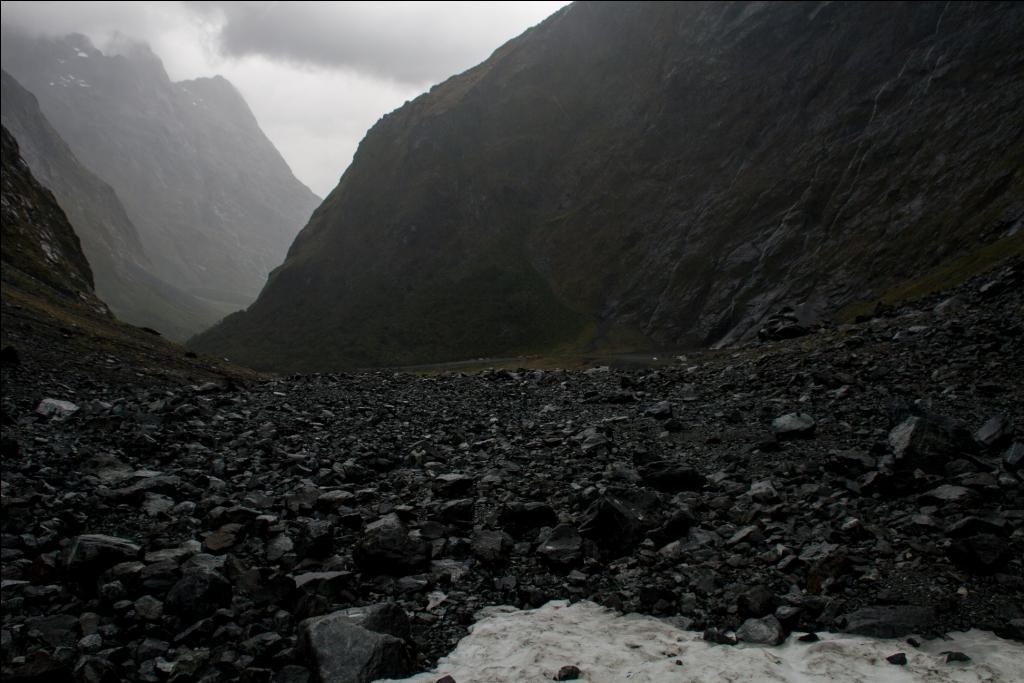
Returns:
(71, 79)
(80, 53)
(508, 645)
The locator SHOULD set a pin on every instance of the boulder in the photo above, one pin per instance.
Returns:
(452, 485)
(200, 592)
(340, 651)
(90, 554)
(928, 443)
(385, 617)
(1013, 458)
(763, 491)
(562, 545)
(671, 477)
(764, 631)
(981, 553)
(995, 433)
(386, 547)
(491, 547)
(613, 525)
(521, 518)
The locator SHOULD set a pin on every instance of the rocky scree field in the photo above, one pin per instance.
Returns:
(862, 478)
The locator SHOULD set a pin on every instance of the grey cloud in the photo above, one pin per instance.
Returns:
(323, 73)
(415, 43)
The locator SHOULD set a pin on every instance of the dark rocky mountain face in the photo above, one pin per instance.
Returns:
(215, 204)
(123, 272)
(658, 174)
(40, 248)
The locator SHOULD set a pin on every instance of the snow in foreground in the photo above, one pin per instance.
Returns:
(523, 646)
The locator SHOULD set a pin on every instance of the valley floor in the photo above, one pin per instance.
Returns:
(177, 523)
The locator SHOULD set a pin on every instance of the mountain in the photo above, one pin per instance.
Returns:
(40, 249)
(215, 204)
(122, 270)
(661, 175)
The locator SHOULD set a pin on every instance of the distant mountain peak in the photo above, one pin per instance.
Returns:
(214, 203)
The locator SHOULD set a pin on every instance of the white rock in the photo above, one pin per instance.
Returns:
(55, 408)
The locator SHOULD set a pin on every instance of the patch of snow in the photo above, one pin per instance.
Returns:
(508, 645)
(80, 53)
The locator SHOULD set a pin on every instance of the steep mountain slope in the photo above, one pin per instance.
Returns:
(121, 268)
(664, 173)
(40, 248)
(215, 204)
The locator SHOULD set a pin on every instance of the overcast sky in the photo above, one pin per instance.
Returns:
(316, 74)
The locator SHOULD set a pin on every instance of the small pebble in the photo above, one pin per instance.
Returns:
(568, 673)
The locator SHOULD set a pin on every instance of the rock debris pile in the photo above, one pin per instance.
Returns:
(864, 478)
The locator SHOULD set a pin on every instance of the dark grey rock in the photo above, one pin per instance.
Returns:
(995, 433)
(452, 485)
(659, 411)
(764, 631)
(385, 617)
(612, 524)
(671, 477)
(342, 652)
(491, 547)
(292, 673)
(150, 648)
(719, 636)
(756, 602)
(90, 554)
(972, 525)
(149, 608)
(386, 547)
(562, 545)
(948, 493)
(893, 621)
(979, 553)
(928, 443)
(59, 630)
(279, 546)
(591, 439)
(764, 491)
(1013, 458)
(520, 518)
(97, 669)
(199, 593)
